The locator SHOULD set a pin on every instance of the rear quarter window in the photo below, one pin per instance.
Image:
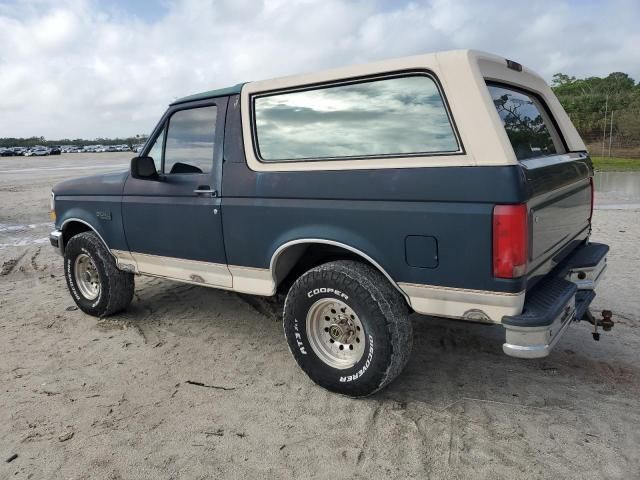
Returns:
(527, 122)
(391, 116)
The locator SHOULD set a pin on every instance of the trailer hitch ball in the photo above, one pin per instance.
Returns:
(606, 322)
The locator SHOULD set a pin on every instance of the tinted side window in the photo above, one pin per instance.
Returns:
(526, 121)
(190, 141)
(390, 116)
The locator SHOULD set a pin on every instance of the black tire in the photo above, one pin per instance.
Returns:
(379, 308)
(116, 287)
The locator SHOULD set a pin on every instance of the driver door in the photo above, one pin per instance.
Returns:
(172, 223)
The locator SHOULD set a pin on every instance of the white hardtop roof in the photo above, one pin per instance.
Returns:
(463, 76)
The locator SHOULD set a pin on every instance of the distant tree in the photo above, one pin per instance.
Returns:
(585, 99)
(560, 79)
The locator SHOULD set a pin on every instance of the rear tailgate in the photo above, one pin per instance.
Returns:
(558, 182)
(559, 209)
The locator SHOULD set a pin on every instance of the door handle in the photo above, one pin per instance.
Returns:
(205, 190)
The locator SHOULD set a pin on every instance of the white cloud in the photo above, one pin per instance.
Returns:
(79, 68)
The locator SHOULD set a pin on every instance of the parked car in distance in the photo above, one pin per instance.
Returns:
(18, 150)
(6, 152)
(37, 151)
(54, 150)
(450, 184)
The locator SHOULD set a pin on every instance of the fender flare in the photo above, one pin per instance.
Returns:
(282, 248)
(91, 227)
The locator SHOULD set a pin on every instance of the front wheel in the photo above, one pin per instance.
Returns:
(95, 283)
(347, 327)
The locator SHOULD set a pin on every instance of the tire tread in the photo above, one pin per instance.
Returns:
(121, 285)
(389, 300)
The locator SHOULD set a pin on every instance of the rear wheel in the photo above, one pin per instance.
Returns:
(347, 327)
(94, 281)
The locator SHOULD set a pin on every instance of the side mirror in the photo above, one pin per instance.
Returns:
(144, 168)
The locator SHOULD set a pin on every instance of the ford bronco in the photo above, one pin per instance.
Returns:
(451, 184)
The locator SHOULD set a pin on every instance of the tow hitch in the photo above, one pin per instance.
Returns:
(605, 322)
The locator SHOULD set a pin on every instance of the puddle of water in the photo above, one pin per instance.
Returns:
(618, 206)
(6, 228)
(25, 242)
(617, 190)
(23, 235)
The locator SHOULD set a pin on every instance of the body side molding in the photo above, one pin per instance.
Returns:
(256, 281)
(467, 304)
(475, 305)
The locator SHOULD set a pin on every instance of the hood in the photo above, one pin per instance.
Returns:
(106, 184)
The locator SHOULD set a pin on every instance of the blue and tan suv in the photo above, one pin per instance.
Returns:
(450, 184)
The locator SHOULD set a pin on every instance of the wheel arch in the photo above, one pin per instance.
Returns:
(74, 226)
(288, 256)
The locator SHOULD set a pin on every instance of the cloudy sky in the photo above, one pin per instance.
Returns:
(83, 68)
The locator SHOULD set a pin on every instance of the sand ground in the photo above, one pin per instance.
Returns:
(86, 398)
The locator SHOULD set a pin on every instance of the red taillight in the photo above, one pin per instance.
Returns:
(510, 240)
(593, 199)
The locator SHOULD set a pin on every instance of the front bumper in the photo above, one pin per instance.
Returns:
(55, 238)
(562, 297)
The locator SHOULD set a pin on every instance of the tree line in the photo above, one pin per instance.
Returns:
(598, 103)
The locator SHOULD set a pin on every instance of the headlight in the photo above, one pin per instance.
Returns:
(52, 206)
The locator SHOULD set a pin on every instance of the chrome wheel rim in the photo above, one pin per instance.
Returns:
(335, 333)
(87, 278)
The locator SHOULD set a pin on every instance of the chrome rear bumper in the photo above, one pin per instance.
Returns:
(555, 303)
(536, 342)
